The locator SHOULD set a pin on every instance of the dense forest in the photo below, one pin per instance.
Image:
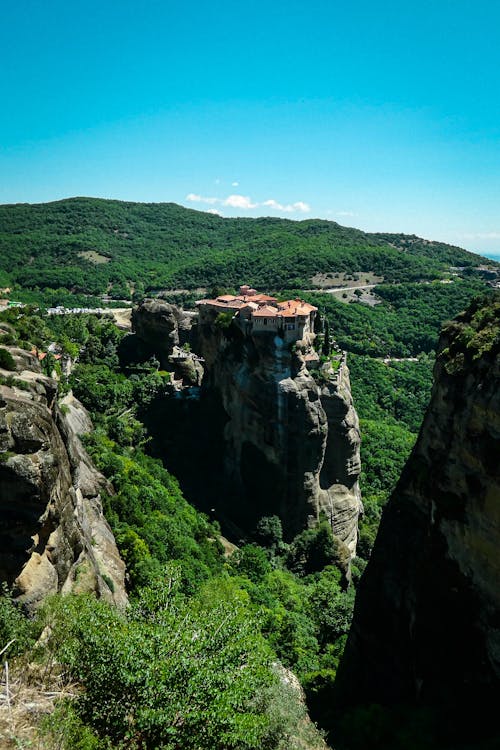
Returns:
(276, 600)
(95, 246)
(268, 600)
(215, 621)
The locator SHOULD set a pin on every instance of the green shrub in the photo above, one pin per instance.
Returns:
(251, 561)
(7, 360)
(224, 320)
(14, 625)
(152, 521)
(64, 729)
(312, 549)
(167, 673)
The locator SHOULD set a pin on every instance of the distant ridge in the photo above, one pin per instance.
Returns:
(96, 246)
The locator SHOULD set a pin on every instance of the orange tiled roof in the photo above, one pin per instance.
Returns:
(297, 306)
(287, 309)
(250, 306)
(229, 301)
(262, 298)
(226, 305)
(265, 311)
(36, 353)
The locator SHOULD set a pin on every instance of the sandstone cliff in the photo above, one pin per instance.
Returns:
(426, 629)
(291, 439)
(276, 437)
(53, 535)
(160, 328)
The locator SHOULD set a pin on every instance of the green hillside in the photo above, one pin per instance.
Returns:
(93, 246)
(271, 600)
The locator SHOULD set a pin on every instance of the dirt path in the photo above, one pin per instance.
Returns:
(122, 317)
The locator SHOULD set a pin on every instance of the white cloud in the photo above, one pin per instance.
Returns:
(298, 207)
(273, 204)
(235, 184)
(345, 213)
(194, 198)
(244, 201)
(239, 201)
(301, 206)
(213, 211)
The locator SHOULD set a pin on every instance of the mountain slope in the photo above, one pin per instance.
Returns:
(94, 245)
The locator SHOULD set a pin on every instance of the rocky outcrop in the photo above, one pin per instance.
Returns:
(291, 436)
(426, 629)
(274, 437)
(159, 327)
(187, 367)
(53, 535)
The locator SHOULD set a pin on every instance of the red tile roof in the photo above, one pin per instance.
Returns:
(267, 306)
(261, 298)
(266, 312)
(297, 306)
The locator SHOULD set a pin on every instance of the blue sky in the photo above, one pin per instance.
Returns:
(384, 116)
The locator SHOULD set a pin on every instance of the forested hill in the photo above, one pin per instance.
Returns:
(92, 246)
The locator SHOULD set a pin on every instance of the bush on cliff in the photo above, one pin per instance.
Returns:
(168, 673)
(15, 628)
(7, 360)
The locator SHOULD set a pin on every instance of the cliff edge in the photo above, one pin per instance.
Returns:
(272, 424)
(54, 536)
(291, 434)
(426, 628)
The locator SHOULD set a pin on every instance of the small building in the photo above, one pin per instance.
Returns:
(261, 313)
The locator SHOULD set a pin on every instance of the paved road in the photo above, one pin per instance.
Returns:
(397, 359)
(347, 288)
(335, 289)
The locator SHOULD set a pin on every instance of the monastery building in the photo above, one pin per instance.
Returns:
(260, 313)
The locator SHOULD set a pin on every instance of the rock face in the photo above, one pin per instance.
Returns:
(160, 327)
(426, 629)
(53, 535)
(275, 437)
(291, 440)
